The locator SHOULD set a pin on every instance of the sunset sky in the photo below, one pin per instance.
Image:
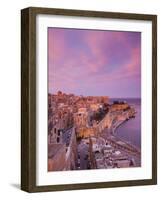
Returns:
(92, 62)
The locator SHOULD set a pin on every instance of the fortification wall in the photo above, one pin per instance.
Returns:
(110, 121)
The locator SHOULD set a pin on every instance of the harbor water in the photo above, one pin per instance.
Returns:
(130, 131)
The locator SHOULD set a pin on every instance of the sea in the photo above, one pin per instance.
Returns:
(130, 131)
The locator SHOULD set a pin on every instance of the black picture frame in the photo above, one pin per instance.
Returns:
(28, 98)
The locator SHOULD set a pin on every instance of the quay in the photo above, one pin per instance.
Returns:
(106, 149)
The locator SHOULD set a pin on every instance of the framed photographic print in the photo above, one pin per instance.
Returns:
(88, 99)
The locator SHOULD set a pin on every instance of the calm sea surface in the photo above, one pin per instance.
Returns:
(130, 131)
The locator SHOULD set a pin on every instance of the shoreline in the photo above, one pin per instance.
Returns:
(114, 134)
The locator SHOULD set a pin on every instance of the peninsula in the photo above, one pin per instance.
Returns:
(81, 133)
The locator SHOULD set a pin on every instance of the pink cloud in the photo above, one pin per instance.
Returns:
(135, 62)
(89, 59)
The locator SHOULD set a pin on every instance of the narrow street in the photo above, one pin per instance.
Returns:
(83, 155)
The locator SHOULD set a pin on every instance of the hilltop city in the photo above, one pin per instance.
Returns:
(81, 133)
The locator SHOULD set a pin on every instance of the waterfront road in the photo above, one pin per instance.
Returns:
(83, 152)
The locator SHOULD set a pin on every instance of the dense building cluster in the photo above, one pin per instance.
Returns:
(68, 113)
(73, 119)
(68, 110)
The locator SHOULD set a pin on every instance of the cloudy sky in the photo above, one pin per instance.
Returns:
(92, 62)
